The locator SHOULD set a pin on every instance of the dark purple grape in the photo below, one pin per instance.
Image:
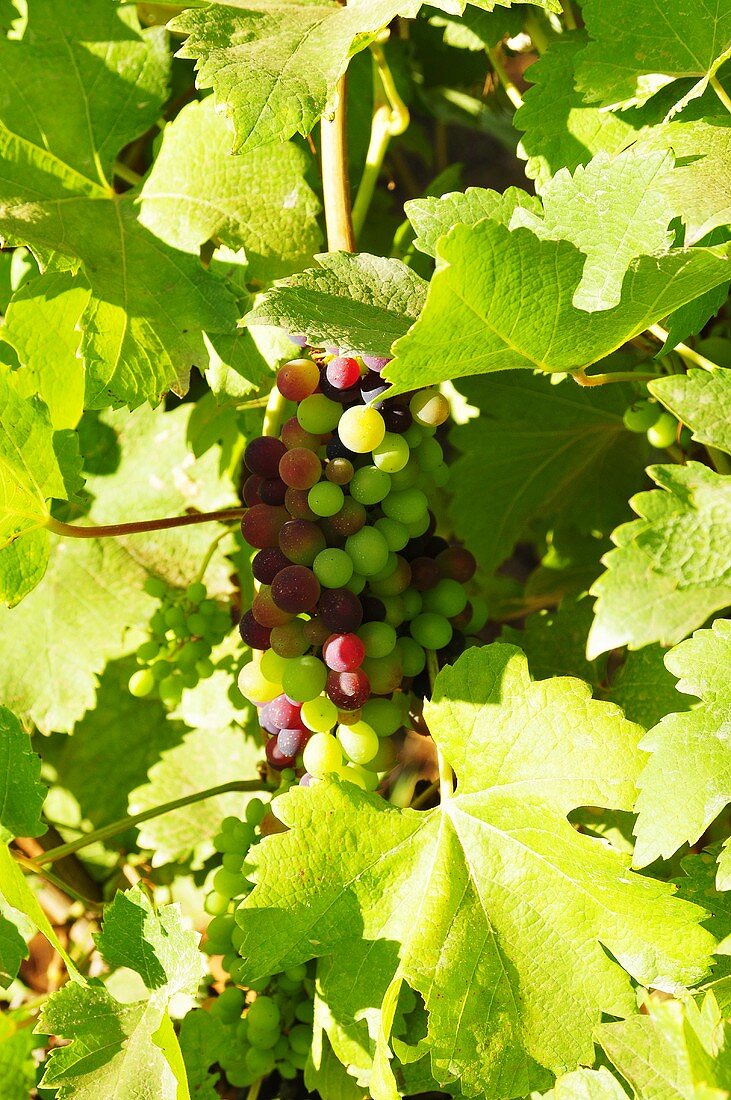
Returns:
(261, 525)
(337, 449)
(267, 563)
(296, 589)
(343, 397)
(301, 541)
(351, 518)
(372, 387)
(373, 610)
(348, 690)
(397, 418)
(457, 563)
(262, 456)
(275, 758)
(296, 503)
(434, 546)
(340, 610)
(251, 490)
(253, 633)
(424, 574)
(272, 490)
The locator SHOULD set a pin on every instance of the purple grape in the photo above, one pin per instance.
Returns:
(375, 362)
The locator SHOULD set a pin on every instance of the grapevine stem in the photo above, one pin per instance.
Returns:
(126, 173)
(132, 820)
(335, 182)
(537, 33)
(494, 54)
(425, 795)
(721, 92)
(33, 865)
(115, 530)
(568, 14)
(446, 775)
(209, 554)
(583, 379)
(253, 1092)
(683, 350)
(390, 118)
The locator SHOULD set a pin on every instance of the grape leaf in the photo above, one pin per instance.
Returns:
(200, 1037)
(559, 129)
(12, 952)
(274, 65)
(126, 1050)
(644, 688)
(15, 890)
(359, 302)
(21, 794)
(503, 299)
(614, 209)
(460, 901)
(91, 608)
(540, 450)
(148, 305)
(41, 325)
(30, 475)
(555, 642)
(700, 187)
(679, 1049)
(687, 780)
(433, 217)
(204, 758)
(259, 201)
(587, 1084)
(702, 400)
(17, 1066)
(636, 49)
(670, 568)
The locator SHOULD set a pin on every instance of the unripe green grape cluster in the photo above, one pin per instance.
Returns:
(183, 632)
(660, 427)
(355, 584)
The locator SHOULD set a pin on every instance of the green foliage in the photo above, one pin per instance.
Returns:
(21, 795)
(687, 781)
(470, 890)
(676, 554)
(702, 401)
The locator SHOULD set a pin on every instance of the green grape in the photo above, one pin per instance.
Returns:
(357, 773)
(359, 742)
(384, 673)
(228, 883)
(141, 683)
(155, 587)
(305, 1012)
(148, 651)
(392, 453)
(196, 623)
(205, 668)
(414, 436)
(663, 432)
(171, 690)
(175, 617)
(379, 639)
(430, 455)
(304, 678)
(370, 485)
(418, 527)
(361, 428)
(407, 505)
(406, 478)
(441, 475)
(229, 1005)
(368, 551)
(356, 584)
(395, 613)
(429, 408)
(300, 1038)
(196, 592)
(413, 657)
(640, 416)
(296, 973)
(431, 631)
(325, 498)
(447, 598)
(264, 1014)
(395, 534)
(322, 754)
(319, 715)
(255, 811)
(333, 568)
(318, 414)
(480, 614)
(260, 1062)
(383, 715)
(216, 904)
(233, 861)
(273, 666)
(412, 603)
(263, 1038)
(287, 1070)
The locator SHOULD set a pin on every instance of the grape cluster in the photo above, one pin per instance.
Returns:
(274, 1031)
(354, 583)
(182, 634)
(649, 418)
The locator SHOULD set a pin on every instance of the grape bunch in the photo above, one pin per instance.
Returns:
(182, 634)
(354, 584)
(274, 1031)
(649, 418)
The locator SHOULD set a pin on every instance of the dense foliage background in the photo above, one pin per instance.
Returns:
(541, 205)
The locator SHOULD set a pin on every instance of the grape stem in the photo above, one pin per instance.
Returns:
(495, 56)
(568, 15)
(116, 530)
(720, 92)
(446, 775)
(390, 118)
(253, 1092)
(538, 35)
(335, 181)
(584, 379)
(209, 555)
(34, 867)
(683, 350)
(425, 795)
(130, 822)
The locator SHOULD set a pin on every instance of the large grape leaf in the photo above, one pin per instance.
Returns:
(687, 780)
(206, 757)
(702, 400)
(41, 325)
(274, 65)
(504, 299)
(433, 217)
(33, 470)
(671, 568)
(21, 793)
(148, 305)
(126, 1050)
(259, 201)
(637, 48)
(559, 129)
(614, 209)
(91, 608)
(359, 302)
(460, 901)
(678, 1049)
(540, 450)
(644, 688)
(555, 642)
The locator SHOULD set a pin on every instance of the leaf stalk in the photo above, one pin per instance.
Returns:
(117, 530)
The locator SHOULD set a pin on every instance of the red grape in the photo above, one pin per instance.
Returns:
(267, 563)
(294, 435)
(301, 541)
(298, 379)
(262, 456)
(300, 468)
(340, 610)
(296, 589)
(253, 633)
(261, 525)
(343, 652)
(266, 611)
(343, 372)
(457, 563)
(348, 690)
